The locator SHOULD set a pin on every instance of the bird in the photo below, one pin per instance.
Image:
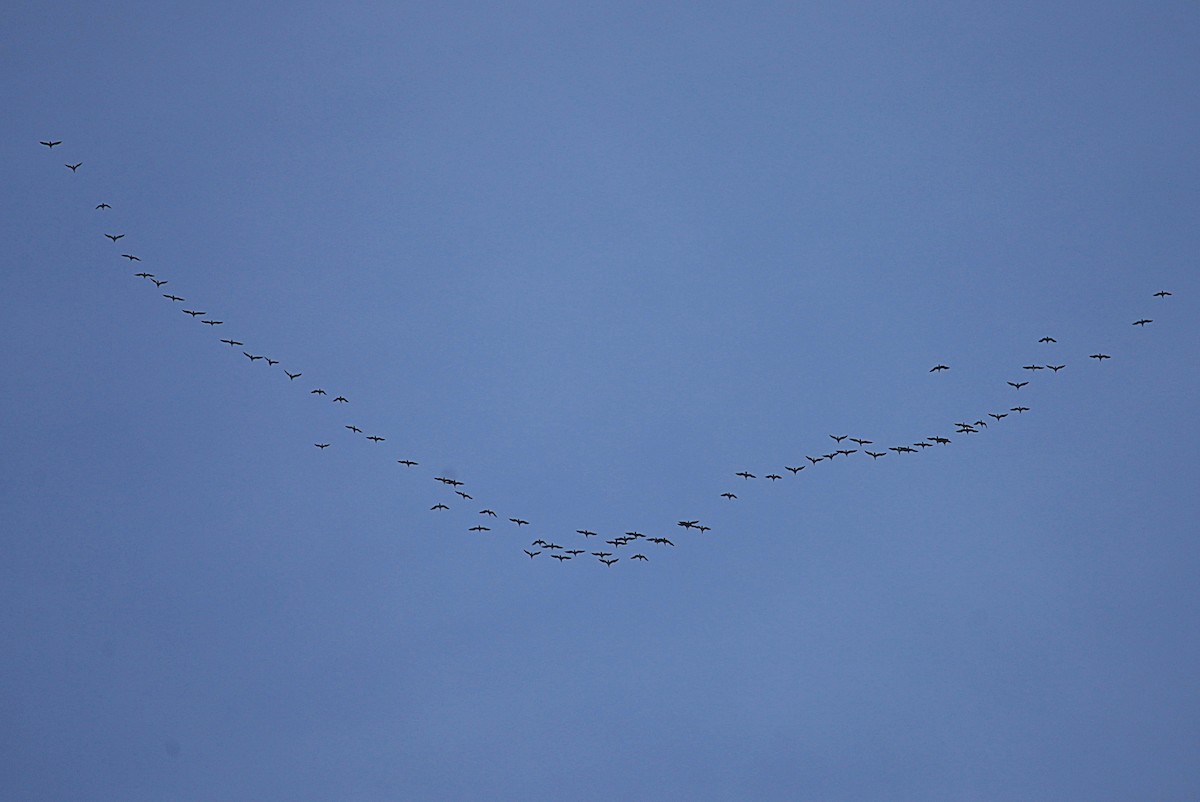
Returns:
(531, 554)
(640, 557)
(729, 496)
(232, 343)
(321, 445)
(938, 368)
(1047, 340)
(376, 438)
(487, 512)
(103, 206)
(877, 454)
(192, 312)
(745, 475)
(609, 562)
(131, 257)
(704, 528)
(601, 554)
(340, 398)
(1159, 294)
(687, 524)
(354, 429)
(519, 521)
(1056, 368)
(157, 282)
(1032, 367)
(586, 532)
(862, 442)
(212, 322)
(998, 417)
(407, 462)
(664, 541)
(251, 357)
(940, 440)
(794, 470)
(1099, 357)
(74, 167)
(773, 476)
(292, 376)
(1142, 322)
(813, 460)
(1018, 385)
(844, 452)
(272, 361)
(538, 542)
(175, 298)
(114, 237)
(560, 557)
(635, 535)
(439, 506)
(149, 276)
(1019, 410)
(838, 439)
(573, 552)
(464, 495)
(479, 528)
(51, 144)
(317, 391)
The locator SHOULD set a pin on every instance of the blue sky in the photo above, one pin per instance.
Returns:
(591, 263)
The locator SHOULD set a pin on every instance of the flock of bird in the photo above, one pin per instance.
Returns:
(631, 545)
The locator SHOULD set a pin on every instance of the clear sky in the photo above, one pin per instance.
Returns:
(592, 261)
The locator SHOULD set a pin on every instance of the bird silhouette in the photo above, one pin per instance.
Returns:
(794, 470)
(407, 462)
(1161, 294)
(251, 357)
(464, 495)
(837, 438)
(1047, 340)
(862, 442)
(1032, 367)
(149, 276)
(74, 167)
(1142, 322)
(746, 475)
(531, 554)
(354, 429)
(640, 557)
(1099, 357)
(272, 361)
(192, 312)
(341, 399)
(1018, 385)
(321, 445)
(519, 521)
(479, 528)
(51, 144)
(157, 282)
(376, 438)
(729, 496)
(999, 416)
(1056, 368)
(317, 391)
(560, 557)
(939, 368)
(292, 376)
(131, 257)
(773, 476)
(487, 512)
(1019, 410)
(103, 206)
(877, 454)
(114, 237)
(439, 506)
(175, 298)
(232, 343)
(609, 562)
(586, 532)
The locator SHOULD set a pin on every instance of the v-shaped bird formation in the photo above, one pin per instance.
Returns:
(625, 545)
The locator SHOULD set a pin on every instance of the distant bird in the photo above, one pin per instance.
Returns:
(1018, 385)
(531, 554)
(601, 553)
(157, 282)
(838, 439)
(74, 167)
(175, 298)
(729, 496)
(479, 528)
(354, 429)
(704, 528)
(114, 237)
(662, 540)
(51, 144)
(232, 342)
(342, 399)
(272, 361)
(131, 257)
(877, 454)
(1047, 340)
(212, 322)
(292, 376)
(844, 452)
(487, 512)
(923, 444)
(103, 206)
(794, 470)
(407, 462)
(1100, 357)
(862, 442)
(439, 506)
(519, 521)
(1142, 322)
(376, 438)
(1056, 368)
(813, 460)
(635, 535)
(538, 542)
(938, 368)
(1032, 367)
(251, 357)
(998, 417)
(586, 532)
(1159, 294)
(560, 557)
(773, 476)
(940, 440)
(192, 312)
(687, 524)
(317, 391)
(1019, 410)
(321, 445)
(573, 552)
(149, 276)
(640, 557)
(609, 562)
(464, 495)
(746, 475)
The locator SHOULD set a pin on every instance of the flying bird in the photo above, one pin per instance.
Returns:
(74, 167)
(1019, 410)
(687, 524)
(794, 470)
(586, 532)
(292, 376)
(131, 257)
(938, 368)
(1032, 367)
(1047, 340)
(251, 357)
(354, 429)
(51, 144)
(175, 298)
(746, 475)
(773, 476)
(862, 442)
(439, 506)
(519, 521)
(560, 557)
(103, 206)
(340, 398)
(998, 417)
(212, 322)
(729, 496)
(157, 282)
(877, 454)
(232, 342)
(317, 391)
(272, 361)
(1159, 294)
(1056, 368)
(1018, 385)
(609, 562)
(487, 512)
(838, 439)
(407, 462)
(1100, 357)
(1142, 322)
(640, 557)
(192, 313)
(114, 237)
(376, 438)
(149, 276)
(321, 445)
(464, 495)
(531, 554)
(813, 460)
(479, 528)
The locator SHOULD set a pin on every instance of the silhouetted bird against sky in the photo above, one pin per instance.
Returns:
(292, 376)
(103, 206)
(252, 357)
(149, 276)
(794, 470)
(439, 506)
(376, 438)
(1142, 322)
(232, 343)
(999, 416)
(939, 368)
(1047, 340)
(877, 454)
(464, 495)
(640, 557)
(479, 528)
(193, 313)
(586, 532)
(531, 554)
(519, 521)
(729, 496)
(837, 438)
(1161, 294)
(158, 283)
(487, 512)
(773, 476)
(745, 475)
(1018, 385)
(272, 361)
(1056, 368)
(131, 257)
(74, 167)
(609, 562)
(51, 144)
(1032, 367)
(354, 429)
(321, 445)
(407, 462)
(341, 399)
(175, 298)
(1100, 357)
(862, 442)
(1019, 410)
(114, 237)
